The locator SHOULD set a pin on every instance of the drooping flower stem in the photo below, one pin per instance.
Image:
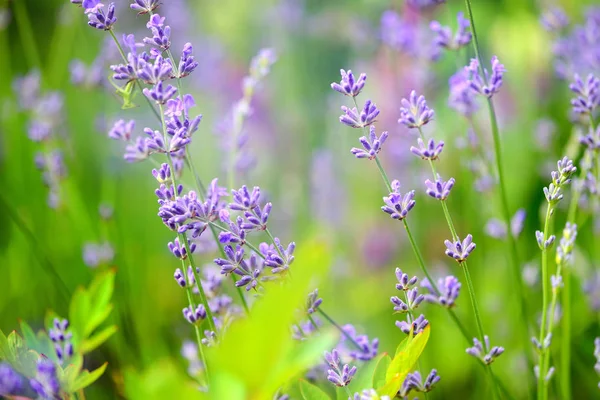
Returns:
(183, 238)
(516, 266)
(202, 190)
(542, 384)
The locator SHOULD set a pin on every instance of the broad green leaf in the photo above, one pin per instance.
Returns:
(86, 378)
(96, 340)
(96, 318)
(16, 344)
(268, 364)
(380, 371)
(407, 355)
(312, 392)
(79, 312)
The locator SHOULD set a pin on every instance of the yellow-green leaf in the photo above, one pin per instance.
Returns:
(380, 371)
(96, 340)
(312, 392)
(86, 378)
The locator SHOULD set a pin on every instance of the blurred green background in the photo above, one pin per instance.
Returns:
(304, 165)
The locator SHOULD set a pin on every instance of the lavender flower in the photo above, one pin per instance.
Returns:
(553, 192)
(367, 116)
(444, 37)
(588, 94)
(414, 382)
(591, 140)
(396, 205)
(160, 33)
(122, 130)
(554, 19)
(337, 374)
(371, 145)
(144, 6)
(462, 97)
(404, 282)
(277, 257)
(591, 287)
(313, 302)
(415, 327)
(152, 73)
(348, 85)
(369, 394)
(189, 351)
(545, 344)
(11, 383)
(448, 287)
(367, 348)
(488, 354)
(61, 339)
(45, 384)
(160, 93)
(414, 112)
(431, 151)
(458, 250)
(187, 64)
(413, 299)
(194, 315)
(179, 250)
(97, 17)
(497, 229)
(487, 85)
(439, 189)
(95, 254)
(542, 242)
(566, 245)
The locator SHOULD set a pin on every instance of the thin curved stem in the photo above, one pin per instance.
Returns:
(542, 384)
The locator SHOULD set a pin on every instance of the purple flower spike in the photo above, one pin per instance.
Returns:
(458, 250)
(367, 348)
(277, 257)
(160, 93)
(337, 374)
(11, 383)
(371, 145)
(46, 383)
(180, 251)
(414, 112)
(187, 64)
(414, 382)
(61, 339)
(354, 120)
(544, 244)
(243, 200)
(449, 289)
(487, 355)
(591, 140)
(151, 74)
(160, 33)
(144, 6)
(348, 85)
(462, 97)
(444, 37)
(193, 316)
(415, 326)
(554, 19)
(439, 189)
(431, 151)
(137, 151)
(404, 282)
(98, 18)
(489, 85)
(412, 301)
(396, 205)
(588, 94)
(122, 130)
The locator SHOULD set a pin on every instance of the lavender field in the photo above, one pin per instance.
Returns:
(299, 199)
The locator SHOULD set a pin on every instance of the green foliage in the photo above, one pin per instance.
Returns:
(161, 381)
(312, 392)
(269, 364)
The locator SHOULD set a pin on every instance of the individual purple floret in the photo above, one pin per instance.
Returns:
(277, 257)
(122, 130)
(353, 119)
(61, 339)
(367, 348)
(415, 326)
(45, 384)
(163, 174)
(544, 243)
(193, 316)
(144, 6)
(181, 279)
(11, 383)
(396, 205)
(488, 85)
(439, 189)
(554, 19)
(160, 93)
(448, 287)
(431, 151)
(180, 251)
(592, 139)
(458, 250)
(414, 382)
(337, 374)
(444, 36)
(414, 112)
(234, 258)
(161, 33)
(404, 282)
(187, 64)
(371, 145)
(313, 302)
(348, 85)
(462, 97)
(413, 299)
(97, 17)
(236, 234)
(588, 94)
(488, 354)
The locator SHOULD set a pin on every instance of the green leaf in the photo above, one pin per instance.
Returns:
(5, 353)
(407, 354)
(86, 378)
(96, 340)
(96, 318)
(29, 335)
(380, 371)
(312, 392)
(79, 312)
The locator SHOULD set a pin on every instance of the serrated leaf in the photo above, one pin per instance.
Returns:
(312, 392)
(86, 378)
(408, 353)
(380, 371)
(96, 340)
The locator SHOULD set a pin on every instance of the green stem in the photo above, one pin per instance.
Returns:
(339, 328)
(196, 327)
(542, 387)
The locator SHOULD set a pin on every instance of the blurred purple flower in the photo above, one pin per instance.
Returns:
(486, 354)
(95, 254)
(444, 36)
(554, 19)
(449, 289)
(439, 189)
(45, 384)
(588, 94)
(497, 229)
(462, 97)
(11, 383)
(486, 85)
(144, 6)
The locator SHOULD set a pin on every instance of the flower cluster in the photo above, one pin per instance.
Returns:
(497, 229)
(414, 383)
(560, 178)
(484, 351)
(460, 250)
(45, 384)
(588, 94)
(338, 374)
(411, 301)
(446, 292)
(414, 112)
(11, 383)
(566, 245)
(397, 205)
(444, 38)
(487, 84)
(61, 339)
